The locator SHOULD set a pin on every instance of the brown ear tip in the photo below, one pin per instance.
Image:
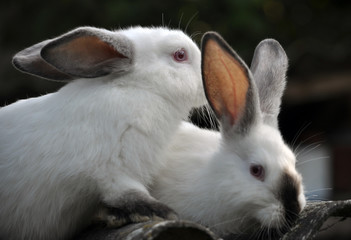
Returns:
(210, 36)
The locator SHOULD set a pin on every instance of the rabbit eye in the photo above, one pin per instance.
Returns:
(180, 55)
(257, 171)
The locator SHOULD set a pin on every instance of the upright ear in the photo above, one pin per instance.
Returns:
(228, 85)
(269, 66)
(82, 53)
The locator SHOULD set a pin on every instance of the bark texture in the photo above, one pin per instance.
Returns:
(306, 227)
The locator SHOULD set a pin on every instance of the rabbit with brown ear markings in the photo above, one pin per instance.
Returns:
(98, 139)
(243, 177)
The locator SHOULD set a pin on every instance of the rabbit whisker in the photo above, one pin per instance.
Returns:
(293, 213)
(258, 234)
(318, 190)
(305, 140)
(205, 114)
(262, 233)
(308, 149)
(195, 34)
(225, 222)
(208, 117)
(212, 118)
(163, 20)
(180, 20)
(169, 23)
(296, 149)
(238, 220)
(298, 134)
(311, 160)
(267, 231)
(316, 197)
(190, 20)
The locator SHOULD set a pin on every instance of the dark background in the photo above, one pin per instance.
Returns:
(316, 35)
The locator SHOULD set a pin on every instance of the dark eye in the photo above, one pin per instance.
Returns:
(257, 171)
(180, 55)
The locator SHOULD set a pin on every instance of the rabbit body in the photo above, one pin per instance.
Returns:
(63, 153)
(206, 178)
(243, 176)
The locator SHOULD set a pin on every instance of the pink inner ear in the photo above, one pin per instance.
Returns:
(226, 82)
(88, 49)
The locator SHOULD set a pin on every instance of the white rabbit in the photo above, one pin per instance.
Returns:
(97, 139)
(245, 175)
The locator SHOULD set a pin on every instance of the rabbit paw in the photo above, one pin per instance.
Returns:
(133, 208)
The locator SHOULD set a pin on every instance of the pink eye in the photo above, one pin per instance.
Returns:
(180, 55)
(257, 171)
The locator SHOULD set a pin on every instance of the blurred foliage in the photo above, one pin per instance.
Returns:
(315, 33)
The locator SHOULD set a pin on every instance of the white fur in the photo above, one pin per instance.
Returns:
(62, 153)
(207, 179)
(207, 176)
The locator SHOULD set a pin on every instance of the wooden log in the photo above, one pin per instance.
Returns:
(313, 217)
(306, 227)
(156, 230)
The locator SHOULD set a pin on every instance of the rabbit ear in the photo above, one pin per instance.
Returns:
(82, 53)
(30, 61)
(269, 66)
(228, 85)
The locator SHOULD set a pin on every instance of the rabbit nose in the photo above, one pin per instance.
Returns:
(288, 195)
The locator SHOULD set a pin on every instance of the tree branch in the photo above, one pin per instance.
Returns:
(306, 227)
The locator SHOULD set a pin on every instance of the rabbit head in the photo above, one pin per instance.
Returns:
(253, 173)
(170, 57)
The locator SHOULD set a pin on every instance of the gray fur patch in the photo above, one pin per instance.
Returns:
(133, 207)
(288, 194)
(269, 66)
(29, 61)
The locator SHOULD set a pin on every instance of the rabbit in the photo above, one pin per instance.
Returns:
(244, 175)
(97, 140)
